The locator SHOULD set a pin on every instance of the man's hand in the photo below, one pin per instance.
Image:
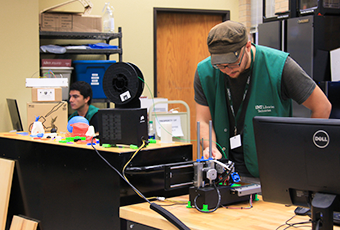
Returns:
(215, 153)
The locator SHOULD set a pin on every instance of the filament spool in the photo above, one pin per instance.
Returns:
(123, 84)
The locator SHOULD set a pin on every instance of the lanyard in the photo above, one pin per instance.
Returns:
(244, 97)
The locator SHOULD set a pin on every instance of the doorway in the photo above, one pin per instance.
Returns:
(180, 37)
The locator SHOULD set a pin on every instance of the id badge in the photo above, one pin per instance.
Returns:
(235, 142)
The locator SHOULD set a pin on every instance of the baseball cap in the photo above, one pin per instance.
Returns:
(225, 41)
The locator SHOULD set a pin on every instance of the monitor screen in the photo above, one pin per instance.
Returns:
(308, 4)
(14, 113)
(299, 159)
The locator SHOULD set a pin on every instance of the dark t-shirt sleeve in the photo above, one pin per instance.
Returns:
(199, 94)
(296, 84)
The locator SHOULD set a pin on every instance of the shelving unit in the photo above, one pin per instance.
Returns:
(107, 37)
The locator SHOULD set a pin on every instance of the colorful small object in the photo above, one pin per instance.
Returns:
(133, 147)
(205, 208)
(152, 141)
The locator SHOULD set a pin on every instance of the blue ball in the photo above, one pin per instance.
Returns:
(76, 119)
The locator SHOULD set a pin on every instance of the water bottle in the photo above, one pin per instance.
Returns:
(152, 134)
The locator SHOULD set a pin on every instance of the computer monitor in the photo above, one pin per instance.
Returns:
(299, 163)
(14, 113)
(329, 7)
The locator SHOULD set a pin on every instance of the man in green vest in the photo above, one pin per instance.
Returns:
(241, 80)
(80, 100)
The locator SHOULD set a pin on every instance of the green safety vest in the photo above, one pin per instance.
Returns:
(92, 111)
(265, 99)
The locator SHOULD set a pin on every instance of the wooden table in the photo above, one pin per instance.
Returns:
(68, 186)
(263, 215)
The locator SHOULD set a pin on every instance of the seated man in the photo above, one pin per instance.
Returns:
(80, 100)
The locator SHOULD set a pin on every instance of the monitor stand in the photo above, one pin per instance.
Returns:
(322, 211)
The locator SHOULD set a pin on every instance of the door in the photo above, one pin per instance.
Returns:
(180, 43)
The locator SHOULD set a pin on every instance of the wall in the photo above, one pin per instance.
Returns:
(136, 20)
(19, 57)
(20, 41)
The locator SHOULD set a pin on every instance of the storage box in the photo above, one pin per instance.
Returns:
(70, 21)
(92, 72)
(46, 94)
(56, 62)
(59, 72)
(148, 102)
(48, 111)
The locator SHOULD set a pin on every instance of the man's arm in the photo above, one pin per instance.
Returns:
(319, 104)
(203, 116)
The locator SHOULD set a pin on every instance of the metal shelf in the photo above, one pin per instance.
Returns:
(79, 35)
(88, 51)
(107, 37)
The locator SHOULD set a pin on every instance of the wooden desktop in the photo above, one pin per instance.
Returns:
(262, 216)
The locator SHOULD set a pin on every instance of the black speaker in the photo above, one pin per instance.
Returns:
(123, 126)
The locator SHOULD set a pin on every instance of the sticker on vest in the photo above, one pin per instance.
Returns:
(264, 108)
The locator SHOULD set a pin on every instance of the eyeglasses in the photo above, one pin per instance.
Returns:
(230, 66)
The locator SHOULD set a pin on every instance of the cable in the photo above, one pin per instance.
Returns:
(117, 171)
(163, 212)
(222, 164)
(128, 162)
(290, 225)
(218, 201)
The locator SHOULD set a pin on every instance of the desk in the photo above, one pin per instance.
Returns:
(263, 215)
(68, 186)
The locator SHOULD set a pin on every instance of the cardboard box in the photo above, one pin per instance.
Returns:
(46, 94)
(50, 20)
(69, 22)
(46, 82)
(46, 112)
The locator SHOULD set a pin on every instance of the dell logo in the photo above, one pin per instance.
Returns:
(321, 139)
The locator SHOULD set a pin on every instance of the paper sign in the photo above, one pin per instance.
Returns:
(176, 125)
(335, 64)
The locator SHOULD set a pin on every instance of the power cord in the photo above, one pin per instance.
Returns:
(293, 225)
(160, 210)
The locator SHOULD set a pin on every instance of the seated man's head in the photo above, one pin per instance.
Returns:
(80, 95)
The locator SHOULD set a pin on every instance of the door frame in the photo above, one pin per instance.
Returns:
(224, 13)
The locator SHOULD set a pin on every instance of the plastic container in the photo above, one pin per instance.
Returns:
(59, 72)
(37, 127)
(92, 72)
(151, 133)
